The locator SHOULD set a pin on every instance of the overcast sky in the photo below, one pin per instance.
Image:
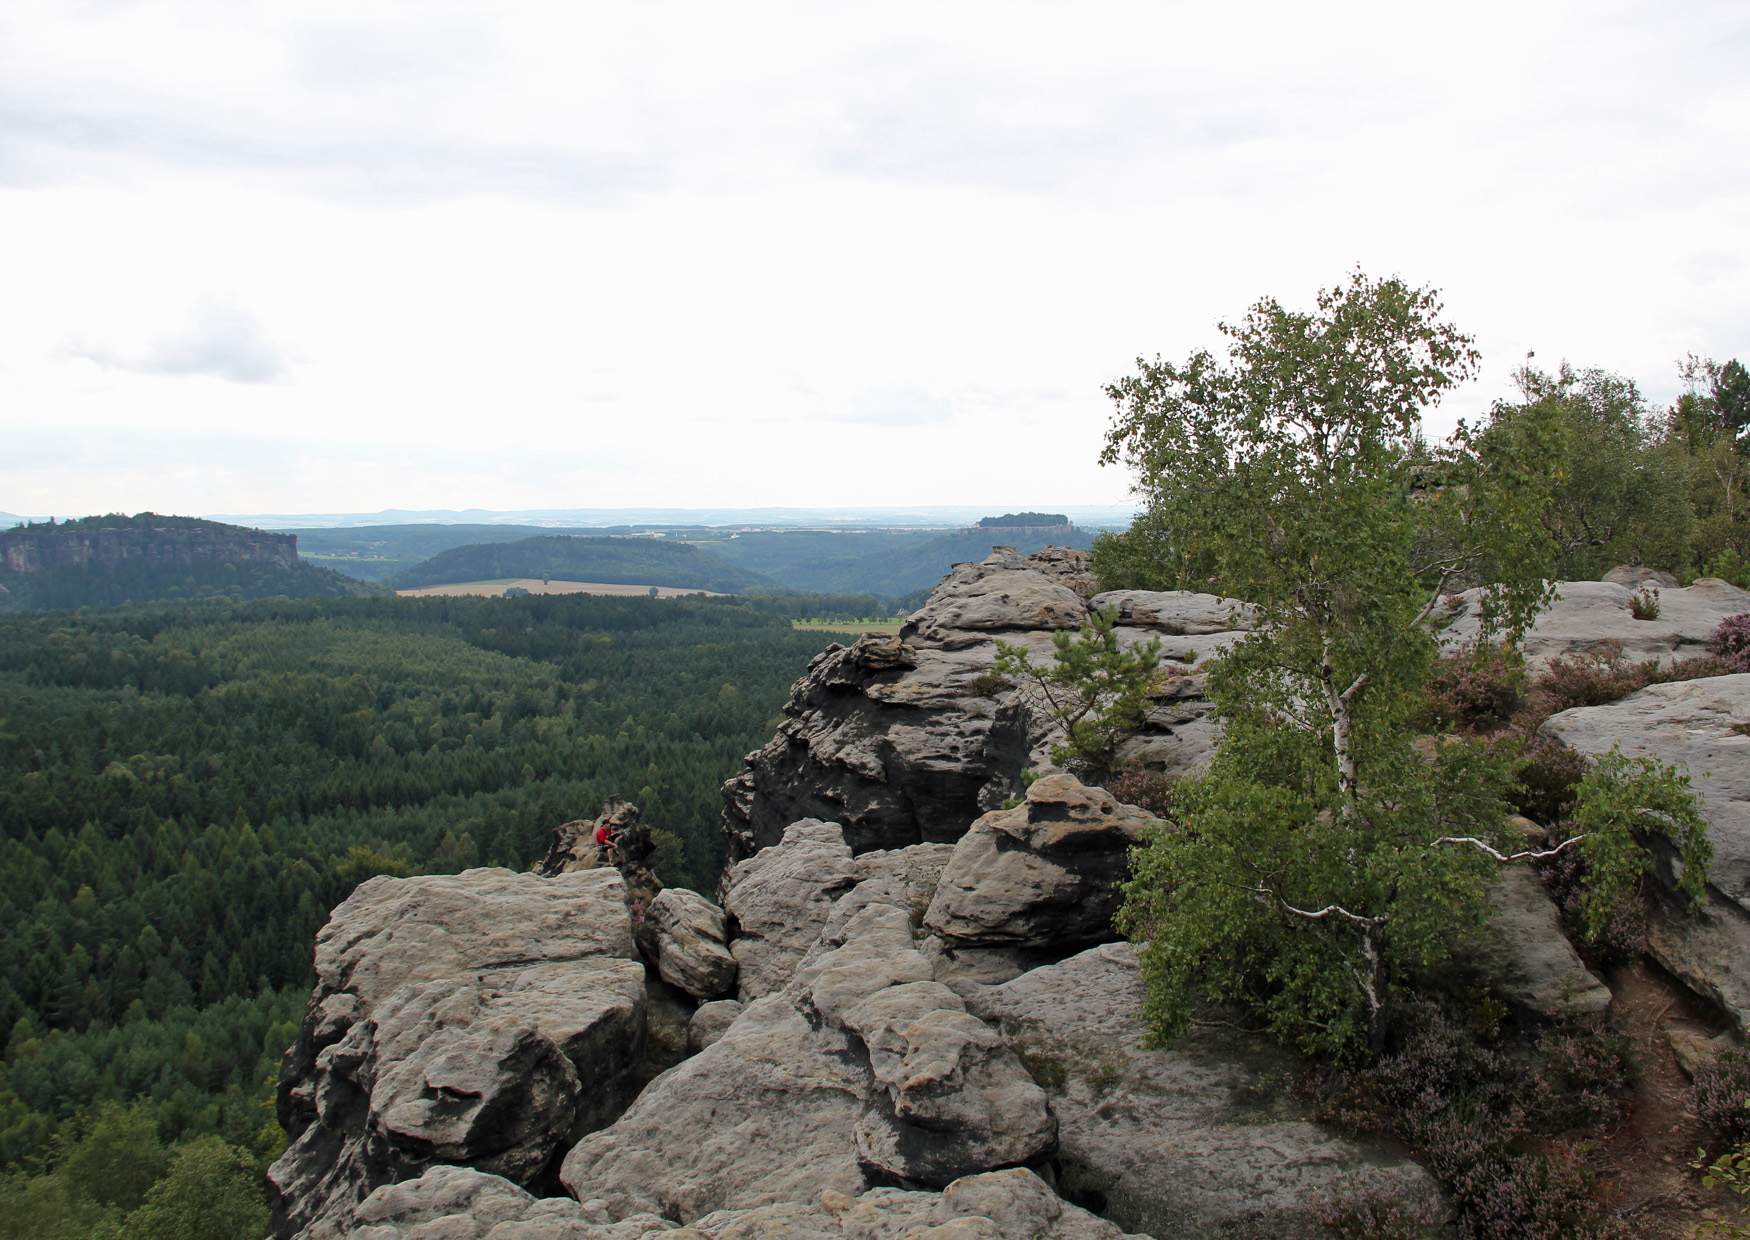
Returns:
(345, 256)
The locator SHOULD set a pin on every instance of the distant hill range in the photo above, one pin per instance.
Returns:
(1023, 520)
(896, 564)
(110, 560)
(380, 552)
(611, 561)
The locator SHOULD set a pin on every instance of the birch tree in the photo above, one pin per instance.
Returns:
(1323, 858)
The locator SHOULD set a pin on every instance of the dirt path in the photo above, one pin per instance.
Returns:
(1647, 1158)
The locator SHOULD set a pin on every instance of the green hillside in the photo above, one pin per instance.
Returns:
(613, 561)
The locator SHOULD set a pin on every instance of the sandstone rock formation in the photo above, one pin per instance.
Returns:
(1526, 956)
(1587, 613)
(1043, 874)
(1695, 726)
(861, 1067)
(1198, 1139)
(486, 1018)
(907, 739)
(453, 1203)
(692, 939)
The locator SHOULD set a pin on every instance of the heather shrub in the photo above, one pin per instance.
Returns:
(1472, 1111)
(1145, 789)
(1579, 1081)
(1374, 1214)
(1623, 936)
(1545, 780)
(1475, 688)
(1721, 1097)
(1643, 604)
(1731, 642)
(1540, 1196)
(1591, 677)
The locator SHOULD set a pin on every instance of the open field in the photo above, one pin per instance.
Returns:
(534, 585)
(846, 626)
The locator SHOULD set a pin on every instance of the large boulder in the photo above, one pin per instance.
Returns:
(1200, 1138)
(1698, 726)
(1527, 957)
(692, 938)
(778, 900)
(486, 1018)
(1588, 613)
(1043, 874)
(906, 739)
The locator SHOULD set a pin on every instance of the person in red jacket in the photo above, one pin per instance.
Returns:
(602, 835)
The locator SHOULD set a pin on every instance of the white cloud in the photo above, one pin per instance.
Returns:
(218, 339)
(680, 253)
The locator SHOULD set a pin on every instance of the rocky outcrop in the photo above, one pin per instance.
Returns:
(692, 937)
(1200, 1138)
(711, 1021)
(907, 739)
(113, 541)
(1525, 955)
(1586, 614)
(1701, 727)
(452, 1203)
(1043, 874)
(861, 1068)
(486, 1018)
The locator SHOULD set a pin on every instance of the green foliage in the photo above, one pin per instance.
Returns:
(1096, 690)
(1306, 873)
(212, 1192)
(1620, 802)
(1730, 1171)
(1643, 604)
(1241, 898)
(1620, 495)
(119, 1158)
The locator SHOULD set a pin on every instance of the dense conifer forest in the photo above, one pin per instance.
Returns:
(185, 791)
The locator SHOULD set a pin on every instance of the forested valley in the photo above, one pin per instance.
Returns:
(187, 790)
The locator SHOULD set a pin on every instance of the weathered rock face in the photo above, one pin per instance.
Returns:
(778, 902)
(1526, 956)
(1198, 1139)
(1692, 725)
(485, 1018)
(1043, 874)
(454, 1203)
(692, 939)
(907, 739)
(1587, 613)
(857, 1068)
(99, 542)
